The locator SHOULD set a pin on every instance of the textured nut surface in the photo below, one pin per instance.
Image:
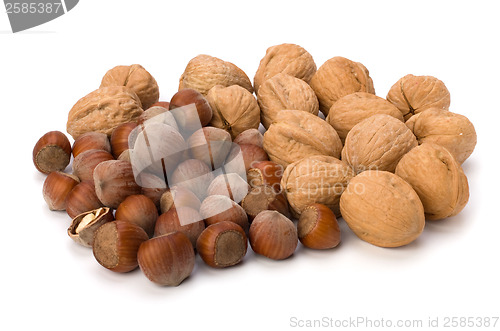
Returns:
(103, 110)
(296, 134)
(315, 179)
(414, 94)
(204, 72)
(377, 143)
(382, 209)
(353, 108)
(137, 79)
(437, 178)
(234, 109)
(285, 58)
(283, 91)
(339, 77)
(453, 131)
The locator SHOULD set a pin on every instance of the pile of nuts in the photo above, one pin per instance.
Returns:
(154, 182)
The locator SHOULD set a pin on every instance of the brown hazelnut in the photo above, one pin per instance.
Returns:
(116, 244)
(250, 137)
(222, 244)
(273, 235)
(152, 186)
(85, 163)
(219, 208)
(318, 228)
(140, 210)
(210, 145)
(82, 198)
(114, 181)
(120, 138)
(194, 175)
(91, 140)
(230, 185)
(52, 152)
(168, 259)
(56, 188)
(84, 226)
(249, 153)
(262, 198)
(164, 104)
(265, 173)
(178, 196)
(153, 113)
(125, 155)
(190, 118)
(183, 219)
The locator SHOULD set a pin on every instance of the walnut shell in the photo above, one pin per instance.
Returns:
(339, 77)
(353, 108)
(315, 179)
(285, 92)
(437, 178)
(414, 94)
(453, 131)
(285, 58)
(137, 79)
(103, 110)
(234, 109)
(204, 72)
(382, 209)
(296, 134)
(377, 143)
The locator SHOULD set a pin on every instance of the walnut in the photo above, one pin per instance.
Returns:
(378, 143)
(382, 209)
(296, 134)
(315, 179)
(442, 127)
(285, 58)
(353, 108)
(339, 77)
(283, 91)
(137, 79)
(234, 109)
(204, 72)
(414, 94)
(103, 110)
(437, 178)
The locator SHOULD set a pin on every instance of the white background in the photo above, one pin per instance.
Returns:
(49, 282)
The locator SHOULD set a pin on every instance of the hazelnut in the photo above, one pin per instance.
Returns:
(140, 210)
(154, 113)
(382, 209)
(273, 235)
(179, 196)
(230, 185)
(168, 259)
(204, 72)
(190, 118)
(285, 92)
(183, 219)
(152, 186)
(414, 94)
(91, 140)
(82, 198)
(137, 79)
(262, 198)
(222, 244)
(120, 138)
(219, 208)
(437, 178)
(318, 227)
(114, 181)
(52, 152)
(296, 134)
(250, 137)
(250, 155)
(210, 145)
(234, 109)
(85, 163)
(125, 155)
(56, 188)
(290, 59)
(353, 108)
(116, 244)
(84, 226)
(452, 131)
(265, 173)
(339, 77)
(164, 104)
(194, 175)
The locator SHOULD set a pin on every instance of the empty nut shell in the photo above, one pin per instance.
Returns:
(84, 226)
